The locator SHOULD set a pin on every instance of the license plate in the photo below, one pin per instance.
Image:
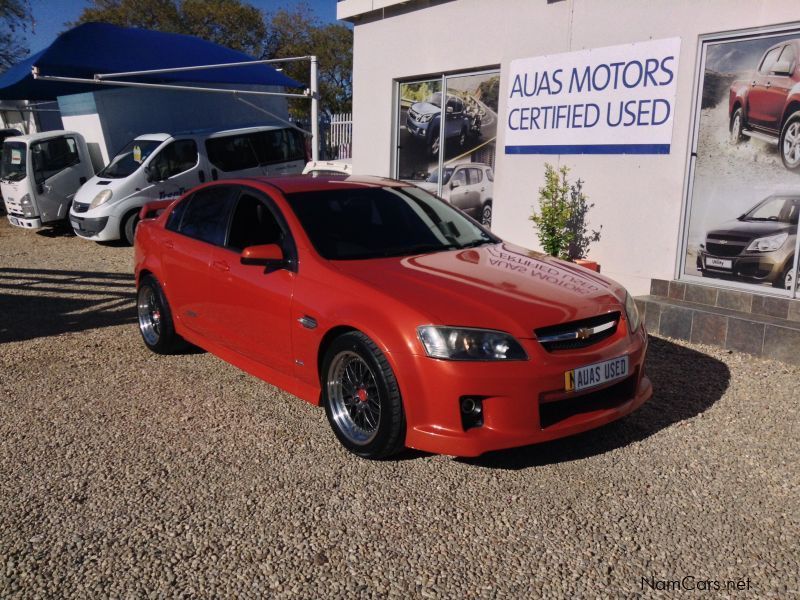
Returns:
(720, 263)
(75, 225)
(14, 221)
(596, 374)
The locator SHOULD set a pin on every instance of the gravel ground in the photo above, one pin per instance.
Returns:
(126, 474)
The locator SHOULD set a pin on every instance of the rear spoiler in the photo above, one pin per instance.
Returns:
(152, 209)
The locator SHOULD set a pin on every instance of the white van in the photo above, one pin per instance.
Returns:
(40, 174)
(159, 165)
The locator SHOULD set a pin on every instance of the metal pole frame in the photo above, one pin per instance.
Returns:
(311, 93)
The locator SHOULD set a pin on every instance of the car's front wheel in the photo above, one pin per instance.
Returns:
(790, 142)
(128, 229)
(434, 144)
(362, 398)
(786, 280)
(736, 127)
(486, 215)
(155, 318)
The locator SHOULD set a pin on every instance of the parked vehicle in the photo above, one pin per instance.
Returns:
(423, 121)
(410, 323)
(5, 134)
(328, 167)
(161, 165)
(467, 186)
(766, 105)
(40, 174)
(758, 246)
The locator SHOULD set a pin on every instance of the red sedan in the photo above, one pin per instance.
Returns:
(410, 323)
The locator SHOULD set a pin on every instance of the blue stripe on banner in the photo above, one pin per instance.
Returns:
(592, 149)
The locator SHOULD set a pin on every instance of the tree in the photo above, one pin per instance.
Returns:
(230, 23)
(15, 18)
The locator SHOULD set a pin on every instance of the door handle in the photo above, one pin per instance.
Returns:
(221, 265)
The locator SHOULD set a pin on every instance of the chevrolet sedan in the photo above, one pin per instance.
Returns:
(409, 322)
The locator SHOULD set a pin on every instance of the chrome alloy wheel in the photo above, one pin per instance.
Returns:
(354, 398)
(149, 314)
(791, 144)
(736, 128)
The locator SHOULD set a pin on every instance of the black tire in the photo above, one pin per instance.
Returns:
(486, 215)
(789, 143)
(433, 144)
(387, 436)
(127, 229)
(462, 138)
(158, 330)
(784, 282)
(736, 126)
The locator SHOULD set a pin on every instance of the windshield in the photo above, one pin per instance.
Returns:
(781, 210)
(14, 163)
(435, 99)
(434, 176)
(129, 159)
(360, 223)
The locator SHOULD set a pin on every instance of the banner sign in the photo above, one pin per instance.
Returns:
(614, 100)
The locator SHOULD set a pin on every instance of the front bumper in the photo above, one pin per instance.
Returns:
(766, 267)
(91, 229)
(419, 130)
(523, 402)
(18, 220)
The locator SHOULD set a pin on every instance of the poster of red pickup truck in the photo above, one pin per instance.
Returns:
(745, 197)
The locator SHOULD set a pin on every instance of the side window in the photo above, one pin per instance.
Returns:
(53, 156)
(769, 60)
(460, 176)
(279, 145)
(475, 176)
(206, 214)
(177, 157)
(787, 56)
(174, 218)
(232, 152)
(253, 224)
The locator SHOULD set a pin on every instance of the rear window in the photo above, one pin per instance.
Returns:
(279, 145)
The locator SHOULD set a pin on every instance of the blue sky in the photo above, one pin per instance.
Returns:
(51, 15)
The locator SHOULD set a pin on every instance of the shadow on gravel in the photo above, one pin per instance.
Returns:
(685, 384)
(39, 303)
(58, 231)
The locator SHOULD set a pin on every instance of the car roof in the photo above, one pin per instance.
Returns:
(45, 135)
(291, 184)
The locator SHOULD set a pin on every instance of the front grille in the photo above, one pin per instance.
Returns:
(413, 114)
(578, 334)
(730, 249)
(613, 396)
(79, 208)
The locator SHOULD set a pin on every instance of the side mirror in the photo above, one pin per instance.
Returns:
(264, 255)
(149, 174)
(449, 110)
(454, 184)
(782, 68)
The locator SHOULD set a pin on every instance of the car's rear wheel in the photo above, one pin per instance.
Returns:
(361, 397)
(790, 142)
(128, 229)
(155, 318)
(736, 126)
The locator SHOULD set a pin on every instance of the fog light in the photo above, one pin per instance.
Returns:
(471, 411)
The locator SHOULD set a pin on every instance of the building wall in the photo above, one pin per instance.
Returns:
(638, 198)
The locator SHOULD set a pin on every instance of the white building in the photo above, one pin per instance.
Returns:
(655, 209)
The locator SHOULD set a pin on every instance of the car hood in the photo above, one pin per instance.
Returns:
(498, 286)
(751, 229)
(425, 108)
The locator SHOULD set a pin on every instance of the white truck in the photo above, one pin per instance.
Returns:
(40, 174)
(159, 166)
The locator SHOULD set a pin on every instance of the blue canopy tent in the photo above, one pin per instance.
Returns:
(97, 48)
(100, 54)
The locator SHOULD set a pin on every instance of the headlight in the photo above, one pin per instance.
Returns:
(456, 343)
(632, 313)
(27, 206)
(768, 244)
(425, 118)
(101, 198)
